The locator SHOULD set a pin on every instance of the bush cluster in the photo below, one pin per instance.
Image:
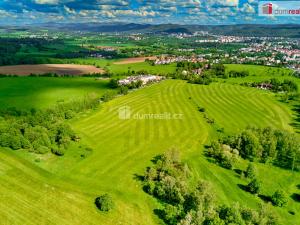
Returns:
(266, 145)
(223, 154)
(104, 203)
(276, 85)
(205, 78)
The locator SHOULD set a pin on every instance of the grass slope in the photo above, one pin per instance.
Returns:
(128, 145)
(123, 149)
(42, 92)
(30, 195)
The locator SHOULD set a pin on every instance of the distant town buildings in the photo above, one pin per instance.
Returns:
(145, 79)
(163, 60)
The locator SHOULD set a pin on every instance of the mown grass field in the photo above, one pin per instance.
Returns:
(44, 92)
(63, 191)
(259, 73)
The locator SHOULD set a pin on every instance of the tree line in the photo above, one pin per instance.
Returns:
(42, 131)
(275, 85)
(186, 202)
(264, 145)
(9, 47)
(208, 72)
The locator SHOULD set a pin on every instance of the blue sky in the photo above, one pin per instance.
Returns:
(136, 11)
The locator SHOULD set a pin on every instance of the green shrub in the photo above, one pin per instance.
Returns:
(5, 140)
(113, 83)
(123, 90)
(250, 171)
(15, 142)
(26, 143)
(254, 186)
(279, 198)
(41, 149)
(104, 203)
(201, 109)
(57, 151)
(69, 114)
(109, 95)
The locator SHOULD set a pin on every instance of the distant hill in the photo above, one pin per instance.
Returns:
(286, 30)
(178, 30)
(258, 30)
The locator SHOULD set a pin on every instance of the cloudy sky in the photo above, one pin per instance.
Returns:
(137, 11)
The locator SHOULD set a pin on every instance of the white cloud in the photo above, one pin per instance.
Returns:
(227, 2)
(84, 13)
(247, 8)
(69, 10)
(4, 14)
(50, 2)
(231, 2)
(253, 1)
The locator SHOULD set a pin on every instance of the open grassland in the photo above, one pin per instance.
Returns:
(43, 92)
(30, 195)
(259, 73)
(142, 66)
(64, 192)
(64, 189)
(39, 69)
(117, 66)
(133, 60)
(255, 70)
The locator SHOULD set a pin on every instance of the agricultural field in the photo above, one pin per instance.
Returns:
(133, 60)
(40, 69)
(117, 67)
(62, 190)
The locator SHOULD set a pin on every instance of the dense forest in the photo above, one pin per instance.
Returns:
(10, 47)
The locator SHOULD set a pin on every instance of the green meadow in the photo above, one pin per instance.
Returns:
(44, 92)
(46, 189)
(116, 69)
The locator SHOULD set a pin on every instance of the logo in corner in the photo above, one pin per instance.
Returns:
(124, 113)
(267, 8)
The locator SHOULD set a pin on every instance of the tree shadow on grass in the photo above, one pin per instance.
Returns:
(243, 187)
(138, 177)
(298, 186)
(210, 160)
(296, 197)
(265, 198)
(159, 213)
(238, 171)
(292, 213)
(207, 146)
(156, 158)
(296, 118)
